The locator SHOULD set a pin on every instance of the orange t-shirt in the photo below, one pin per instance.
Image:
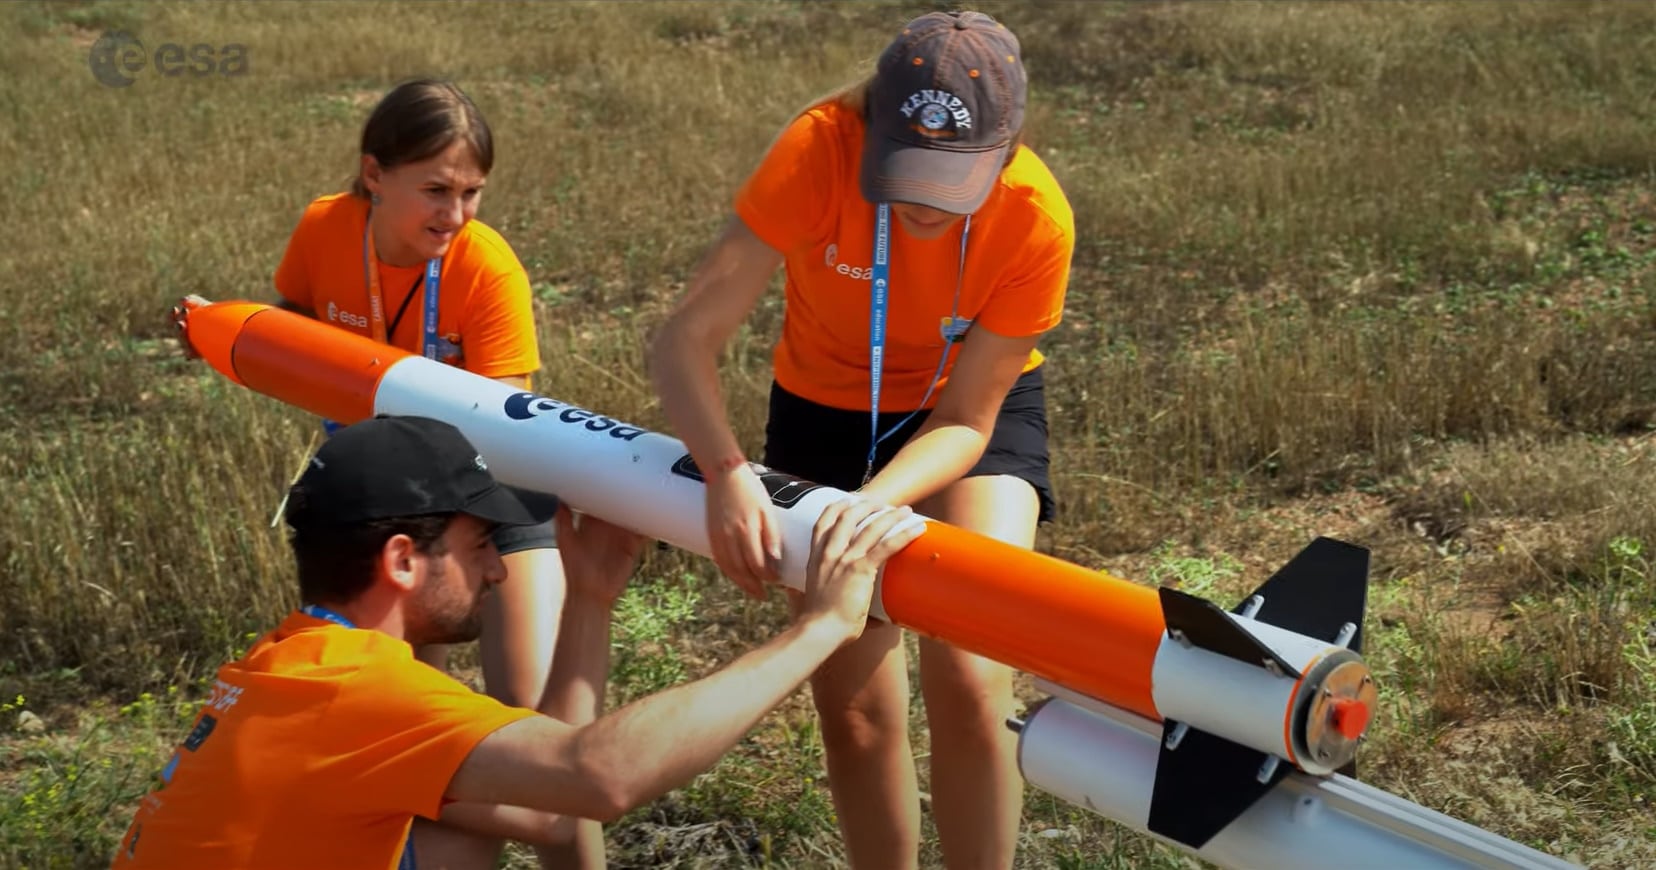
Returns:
(317, 749)
(484, 299)
(805, 202)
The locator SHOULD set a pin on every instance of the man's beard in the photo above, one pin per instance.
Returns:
(444, 614)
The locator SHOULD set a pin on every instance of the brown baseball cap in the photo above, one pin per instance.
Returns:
(946, 101)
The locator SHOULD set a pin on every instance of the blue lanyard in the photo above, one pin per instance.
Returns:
(406, 862)
(429, 345)
(433, 280)
(321, 612)
(880, 286)
(433, 283)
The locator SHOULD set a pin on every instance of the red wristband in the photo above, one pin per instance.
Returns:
(730, 463)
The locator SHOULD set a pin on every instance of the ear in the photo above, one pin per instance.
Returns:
(373, 175)
(399, 563)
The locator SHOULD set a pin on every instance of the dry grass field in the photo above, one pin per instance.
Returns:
(1378, 271)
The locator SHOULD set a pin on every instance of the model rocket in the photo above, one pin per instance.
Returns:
(1235, 701)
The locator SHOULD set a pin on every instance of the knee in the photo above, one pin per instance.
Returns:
(861, 724)
(968, 700)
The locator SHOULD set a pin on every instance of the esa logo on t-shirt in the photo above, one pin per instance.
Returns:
(830, 258)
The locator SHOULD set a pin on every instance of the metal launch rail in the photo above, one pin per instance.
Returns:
(1103, 758)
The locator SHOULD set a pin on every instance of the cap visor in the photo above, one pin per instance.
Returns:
(952, 181)
(514, 506)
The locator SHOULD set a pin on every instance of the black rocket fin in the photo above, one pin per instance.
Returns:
(1204, 784)
(1318, 592)
(1200, 623)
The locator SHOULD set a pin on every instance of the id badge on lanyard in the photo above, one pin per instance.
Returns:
(880, 291)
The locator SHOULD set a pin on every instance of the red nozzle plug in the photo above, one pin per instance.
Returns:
(1351, 717)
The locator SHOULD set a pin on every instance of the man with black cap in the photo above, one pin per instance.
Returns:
(926, 251)
(324, 743)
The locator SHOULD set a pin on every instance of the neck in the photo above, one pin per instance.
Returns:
(388, 250)
(370, 611)
(951, 233)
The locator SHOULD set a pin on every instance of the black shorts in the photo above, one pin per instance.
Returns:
(511, 539)
(830, 445)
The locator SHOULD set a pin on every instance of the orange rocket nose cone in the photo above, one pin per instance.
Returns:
(1351, 717)
(210, 331)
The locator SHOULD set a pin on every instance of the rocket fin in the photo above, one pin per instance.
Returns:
(1200, 623)
(1321, 589)
(1202, 786)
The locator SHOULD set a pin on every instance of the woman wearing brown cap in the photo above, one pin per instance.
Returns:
(926, 252)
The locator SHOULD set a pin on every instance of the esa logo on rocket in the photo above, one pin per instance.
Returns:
(525, 406)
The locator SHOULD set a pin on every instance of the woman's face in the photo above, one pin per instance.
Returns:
(422, 206)
(924, 222)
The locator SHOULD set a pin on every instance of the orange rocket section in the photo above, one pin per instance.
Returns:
(1084, 629)
(220, 325)
(287, 356)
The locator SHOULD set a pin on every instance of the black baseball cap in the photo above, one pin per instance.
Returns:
(403, 466)
(946, 102)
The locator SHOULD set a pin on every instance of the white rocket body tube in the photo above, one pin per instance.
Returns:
(517, 432)
(1195, 686)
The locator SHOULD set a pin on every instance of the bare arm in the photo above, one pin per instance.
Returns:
(600, 771)
(644, 749)
(575, 686)
(598, 559)
(954, 436)
(512, 823)
(684, 356)
(742, 528)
